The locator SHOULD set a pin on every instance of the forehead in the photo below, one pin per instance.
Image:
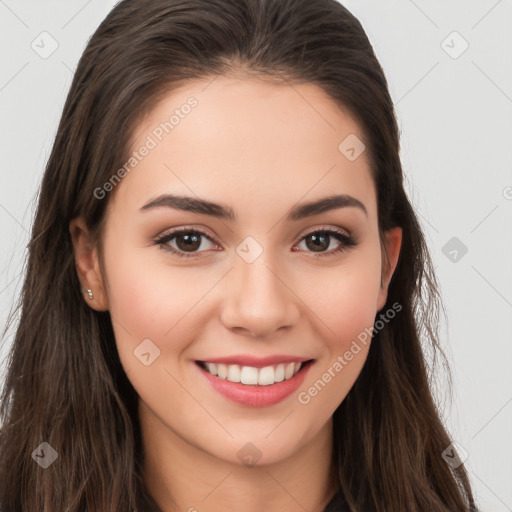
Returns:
(248, 139)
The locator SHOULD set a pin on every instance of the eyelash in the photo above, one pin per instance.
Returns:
(346, 241)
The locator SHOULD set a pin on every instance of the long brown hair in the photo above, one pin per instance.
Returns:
(65, 384)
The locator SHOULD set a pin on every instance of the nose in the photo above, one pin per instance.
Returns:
(258, 300)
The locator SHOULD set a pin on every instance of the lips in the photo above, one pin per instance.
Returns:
(257, 362)
(255, 382)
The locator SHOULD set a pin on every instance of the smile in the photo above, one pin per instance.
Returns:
(261, 383)
(251, 375)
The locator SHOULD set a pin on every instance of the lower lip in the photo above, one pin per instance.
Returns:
(254, 395)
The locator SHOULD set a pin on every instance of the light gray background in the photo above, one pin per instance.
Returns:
(455, 116)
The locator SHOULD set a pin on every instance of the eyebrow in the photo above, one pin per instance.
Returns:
(203, 207)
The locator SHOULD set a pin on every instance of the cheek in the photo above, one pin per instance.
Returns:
(345, 302)
(345, 297)
(150, 301)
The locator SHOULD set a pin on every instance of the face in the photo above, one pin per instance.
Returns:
(271, 292)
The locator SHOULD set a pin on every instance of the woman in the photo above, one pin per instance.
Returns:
(226, 282)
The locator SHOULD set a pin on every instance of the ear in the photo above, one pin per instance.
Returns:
(393, 241)
(87, 265)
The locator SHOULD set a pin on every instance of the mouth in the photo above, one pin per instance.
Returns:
(259, 385)
(252, 375)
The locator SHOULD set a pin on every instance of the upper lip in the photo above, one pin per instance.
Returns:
(256, 362)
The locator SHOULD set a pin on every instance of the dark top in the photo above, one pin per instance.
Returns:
(337, 504)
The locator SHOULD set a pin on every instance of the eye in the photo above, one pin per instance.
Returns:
(187, 241)
(320, 239)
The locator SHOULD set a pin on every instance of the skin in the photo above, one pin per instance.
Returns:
(260, 148)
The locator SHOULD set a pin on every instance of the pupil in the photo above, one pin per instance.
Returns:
(191, 241)
(318, 238)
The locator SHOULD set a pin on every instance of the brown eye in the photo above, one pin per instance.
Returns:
(188, 242)
(185, 240)
(320, 240)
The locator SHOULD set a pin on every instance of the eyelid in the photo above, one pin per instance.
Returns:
(187, 229)
(212, 238)
(323, 227)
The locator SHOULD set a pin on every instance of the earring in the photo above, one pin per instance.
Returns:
(89, 292)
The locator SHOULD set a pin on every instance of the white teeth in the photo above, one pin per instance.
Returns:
(222, 371)
(279, 376)
(234, 373)
(266, 376)
(212, 368)
(251, 375)
(288, 371)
